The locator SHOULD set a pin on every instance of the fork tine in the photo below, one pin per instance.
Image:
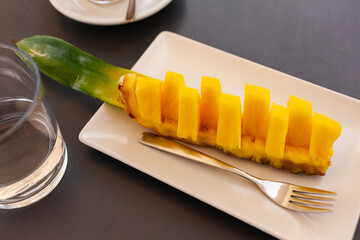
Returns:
(310, 203)
(301, 189)
(310, 197)
(303, 208)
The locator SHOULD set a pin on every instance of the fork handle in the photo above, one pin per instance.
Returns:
(176, 148)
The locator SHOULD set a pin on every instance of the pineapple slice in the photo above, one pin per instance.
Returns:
(148, 96)
(189, 117)
(209, 103)
(276, 136)
(256, 111)
(300, 121)
(323, 135)
(209, 110)
(128, 92)
(229, 124)
(170, 96)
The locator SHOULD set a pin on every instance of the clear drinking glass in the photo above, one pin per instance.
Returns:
(33, 155)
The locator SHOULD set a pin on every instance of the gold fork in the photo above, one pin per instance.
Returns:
(287, 195)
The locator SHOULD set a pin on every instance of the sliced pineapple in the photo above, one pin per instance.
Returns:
(148, 96)
(209, 110)
(189, 117)
(170, 96)
(259, 134)
(229, 125)
(300, 120)
(323, 135)
(209, 103)
(256, 111)
(309, 140)
(276, 136)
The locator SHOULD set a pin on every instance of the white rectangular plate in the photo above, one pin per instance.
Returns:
(111, 131)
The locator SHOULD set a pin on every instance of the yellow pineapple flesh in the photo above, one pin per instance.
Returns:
(229, 124)
(256, 111)
(148, 96)
(276, 136)
(251, 148)
(189, 118)
(209, 109)
(300, 120)
(297, 159)
(170, 96)
(323, 135)
(258, 134)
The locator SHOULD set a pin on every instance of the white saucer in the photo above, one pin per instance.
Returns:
(111, 14)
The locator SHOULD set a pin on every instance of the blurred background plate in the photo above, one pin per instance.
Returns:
(110, 14)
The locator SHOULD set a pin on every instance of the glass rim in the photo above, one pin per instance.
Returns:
(35, 98)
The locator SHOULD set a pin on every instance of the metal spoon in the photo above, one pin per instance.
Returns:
(130, 13)
(131, 10)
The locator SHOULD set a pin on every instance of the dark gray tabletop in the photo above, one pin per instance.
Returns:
(102, 198)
